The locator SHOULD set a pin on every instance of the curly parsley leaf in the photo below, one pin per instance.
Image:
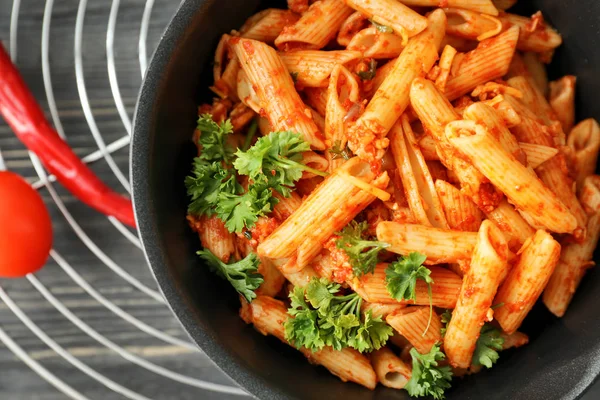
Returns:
(428, 378)
(401, 276)
(243, 275)
(275, 160)
(213, 138)
(324, 318)
(382, 28)
(445, 319)
(370, 73)
(488, 344)
(362, 254)
(337, 151)
(239, 211)
(204, 185)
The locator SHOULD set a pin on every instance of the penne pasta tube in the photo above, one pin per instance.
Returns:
(312, 68)
(314, 161)
(382, 309)
(520, 184)
(491, 120)
(355, 23)
(590, 193)
(367, 138)
(268, 316)
(537, 72)
(266, 25)
(480, 284)
(225, 70)
(444, 66)
(247, 94)
(273, 279)
(214, 236)
(317, 26)
(460, 44)
(375, 44)
(300, 278)
(337, 200)
(562, 101)
(444, 289)
(511, 223)
(534, 99)
(535, 35)
(391, 371)
(435, 111)
(481, 6)
(269, 78)
(317, 99)
(342, 92)
(471, 24)
(553, 172)
(380, 76)
(504, 4)
(515, 339)
(575, 260)
(404, 21)
(414, 324)
(419, 188)
(537, 154)
(461, 213)
(489, 61)
(439, 245)
(526, 280)
(428, 147)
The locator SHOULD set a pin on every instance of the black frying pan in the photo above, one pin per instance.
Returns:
(563, 357)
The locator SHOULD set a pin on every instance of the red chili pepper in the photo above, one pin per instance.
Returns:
(24, 115)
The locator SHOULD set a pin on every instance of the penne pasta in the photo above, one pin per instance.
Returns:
(520, 184)
(418, 184)
(266, 25)
(439, 245)
(515, 228)
(471, 24)
(214, 236)
(489, 61)
(536, 72)
(444, 289)
(504, 4)
(415, 325)
(562, 101)
(312, 68)
(268, 316)
(337, 200)
(584, 142)
(367, 138)
(269, 78)
(480, 284)
(461, 213)
(537, 154)
(526, 280)
(317, 99)
(317, 26)
(435, 112)
(590, 193)
(375, 44)
(401, 19)
(225, 70)
(537, 103)
(343, 91)
(535, 35)
(481, 6)
(382, 309)
(355, 23)
(391, 371)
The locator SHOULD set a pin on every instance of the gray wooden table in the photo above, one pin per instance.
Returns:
(91, 324)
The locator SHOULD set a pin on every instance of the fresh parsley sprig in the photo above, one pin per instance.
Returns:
(338, 152)
(362, 253)
(382, 28)
(275, 160)
(370, 73)
(428, 378)
(401, 279)
(324, 318)
(445, 319)
(243, 275)
(487, 347)
(213, 138)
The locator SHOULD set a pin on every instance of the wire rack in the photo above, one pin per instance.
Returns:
(92, 323)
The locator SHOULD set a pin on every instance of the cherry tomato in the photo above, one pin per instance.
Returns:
(25, 227)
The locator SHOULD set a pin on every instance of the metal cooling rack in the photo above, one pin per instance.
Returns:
(92, 323)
